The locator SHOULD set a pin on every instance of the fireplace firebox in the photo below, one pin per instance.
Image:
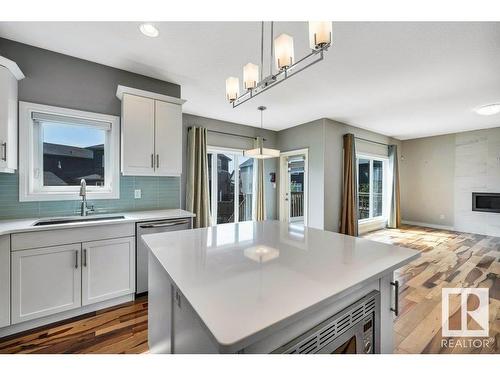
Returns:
(486, 202)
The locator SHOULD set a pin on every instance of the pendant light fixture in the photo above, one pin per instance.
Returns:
(260, 152)
(282, 57)
(250, 76)
(283, 51)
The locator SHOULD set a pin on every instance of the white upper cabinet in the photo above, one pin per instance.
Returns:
(9, 75)
(138, 140)
(168, 138)
(151, 133)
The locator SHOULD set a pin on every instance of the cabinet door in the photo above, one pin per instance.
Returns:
(45, 281)
(168, 140)
(137, 151)
(8, 121)
(108, 269)
(4, 281)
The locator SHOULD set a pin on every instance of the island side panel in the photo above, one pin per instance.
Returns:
(387, 296)
(173, 325)
(159, 308)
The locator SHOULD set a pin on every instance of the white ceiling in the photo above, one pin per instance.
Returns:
(405, 80)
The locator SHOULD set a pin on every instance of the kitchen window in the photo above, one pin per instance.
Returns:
(371, 187)
(231, 185)
(59, 147)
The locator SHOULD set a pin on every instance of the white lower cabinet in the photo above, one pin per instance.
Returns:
(108, 269)
(45, 281)
(4, 281)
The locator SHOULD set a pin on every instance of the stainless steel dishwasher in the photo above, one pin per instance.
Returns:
(149, 227)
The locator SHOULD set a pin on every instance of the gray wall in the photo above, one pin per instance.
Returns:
(323, 138)
(427, 171)
(310, 136)
(270, 165)
(334, 132)
(64, 81)
(439, 175)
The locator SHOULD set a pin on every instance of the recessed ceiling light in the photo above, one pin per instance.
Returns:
(488, 110)
(149, 30)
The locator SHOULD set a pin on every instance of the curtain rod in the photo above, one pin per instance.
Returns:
(233, 135)
(368, 140)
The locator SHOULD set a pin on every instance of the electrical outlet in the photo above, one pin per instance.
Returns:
(441, 217)
(137, 194)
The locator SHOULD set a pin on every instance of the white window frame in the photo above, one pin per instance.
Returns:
(30, 187)
(235, 152)
(385, 185)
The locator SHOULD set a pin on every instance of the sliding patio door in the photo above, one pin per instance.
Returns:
(231, 185)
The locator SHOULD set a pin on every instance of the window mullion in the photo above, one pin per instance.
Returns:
(236, 189)
(215, 187)
(370, 184)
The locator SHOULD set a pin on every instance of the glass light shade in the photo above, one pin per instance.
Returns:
(250, 76)
(320, 33)
(232, 88)
(260, 152)
(283, 51)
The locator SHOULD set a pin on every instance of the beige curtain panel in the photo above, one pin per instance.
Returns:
(260, 204)
(197, 199)
(349, 214)
(395, 208)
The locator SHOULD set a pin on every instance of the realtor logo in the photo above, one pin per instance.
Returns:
(471, 320)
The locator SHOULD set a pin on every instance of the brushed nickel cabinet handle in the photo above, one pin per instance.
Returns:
(157, 160)
(4, 157)
(76, 258)
(85, 257)
(152, 161)
(395, 309)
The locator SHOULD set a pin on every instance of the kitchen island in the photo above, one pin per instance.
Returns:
(264, 287)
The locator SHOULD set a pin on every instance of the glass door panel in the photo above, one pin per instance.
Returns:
(245, 171)
(225, 188)
(364, 188)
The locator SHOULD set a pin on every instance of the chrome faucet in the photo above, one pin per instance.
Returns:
(84, 208)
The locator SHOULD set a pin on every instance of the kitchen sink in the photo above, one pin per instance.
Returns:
(66, 220)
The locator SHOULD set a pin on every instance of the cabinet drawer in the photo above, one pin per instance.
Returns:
(54, 237)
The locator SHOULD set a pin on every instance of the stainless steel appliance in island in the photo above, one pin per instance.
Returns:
(267, 287)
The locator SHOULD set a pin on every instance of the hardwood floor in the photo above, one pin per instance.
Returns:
(449, 259)
(120, 329)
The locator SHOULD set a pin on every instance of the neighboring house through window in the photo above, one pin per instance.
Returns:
(59, 147)
(231, 184)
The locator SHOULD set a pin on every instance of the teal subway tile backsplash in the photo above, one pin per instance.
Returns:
(157, 193)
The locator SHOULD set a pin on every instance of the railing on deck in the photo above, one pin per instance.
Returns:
(296, 204)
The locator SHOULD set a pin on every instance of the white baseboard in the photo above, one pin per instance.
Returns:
(371, 225)
(35, 323)
(429, 225)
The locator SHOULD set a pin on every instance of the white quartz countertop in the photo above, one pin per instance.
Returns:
(243, 278)
(27, 225)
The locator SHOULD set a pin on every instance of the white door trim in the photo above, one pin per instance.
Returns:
(284, 182)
